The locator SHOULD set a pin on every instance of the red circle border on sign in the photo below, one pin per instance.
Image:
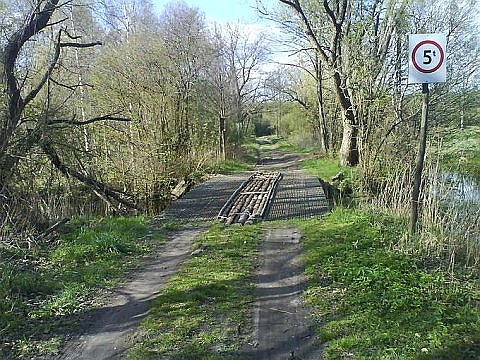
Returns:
(442, 55)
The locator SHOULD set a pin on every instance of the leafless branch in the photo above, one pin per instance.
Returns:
(108, 117)
(56, 22)
(80, 45)
(100, 118)
(298, 66)
(71, 36)
(70, 87)
(47, 74)
(309, 30)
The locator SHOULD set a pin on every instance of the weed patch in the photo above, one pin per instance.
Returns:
(42, 289)
(373, 302)
(204, 312)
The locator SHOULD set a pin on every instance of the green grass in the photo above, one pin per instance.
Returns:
(371, 301)
(325, 168)
(41, 289)
(292, 148)
(460, 150)
(204, 312)
(232, 166)
(244, 159)
(273, 142)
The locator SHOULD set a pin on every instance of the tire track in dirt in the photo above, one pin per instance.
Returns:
(109, 329)
(282, 327)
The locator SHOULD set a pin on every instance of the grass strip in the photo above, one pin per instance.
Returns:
(232, 166)
(459, 150)
(325, 168)
(277, 143)
(204, 312)
(42, 289)
(371, 301)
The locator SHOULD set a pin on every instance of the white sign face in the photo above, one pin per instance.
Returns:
(426, 58)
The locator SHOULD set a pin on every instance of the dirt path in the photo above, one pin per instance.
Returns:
(282, 330)
(107, 331)
(281, 326)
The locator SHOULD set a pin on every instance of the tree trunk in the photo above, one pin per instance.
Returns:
(349, 154)
(321, 113)
(417, 181)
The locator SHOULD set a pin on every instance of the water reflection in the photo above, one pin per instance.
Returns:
(457, 188)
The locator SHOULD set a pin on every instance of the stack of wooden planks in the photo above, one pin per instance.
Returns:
(250, 201)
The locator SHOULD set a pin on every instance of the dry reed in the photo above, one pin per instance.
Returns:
(450, 220)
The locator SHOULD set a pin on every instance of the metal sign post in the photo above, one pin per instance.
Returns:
(426, 64)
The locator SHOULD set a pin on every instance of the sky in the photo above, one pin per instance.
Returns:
(221, 11)
(243, 12)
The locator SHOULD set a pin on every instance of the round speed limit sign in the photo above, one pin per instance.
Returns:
(426, 60)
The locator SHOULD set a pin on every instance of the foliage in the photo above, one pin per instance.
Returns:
(42, 289)
(204, 312)
(282, 145)
(289, 121)
(263, 127)
(121, 123)
(231, 166)
(371, 301)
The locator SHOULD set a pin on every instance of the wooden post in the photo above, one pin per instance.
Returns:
(222, 138)
(417, 181)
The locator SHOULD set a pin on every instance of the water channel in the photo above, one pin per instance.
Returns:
(453, 187)
(457, 199)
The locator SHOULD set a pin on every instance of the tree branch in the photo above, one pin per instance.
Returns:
(53, 63)
(56, 22)
(37, 22)
(297, 66)
(80, 45)
(70, 87)
(47, 74)
(102, 190)
(100, 118)
(111, 117)
(298, 8)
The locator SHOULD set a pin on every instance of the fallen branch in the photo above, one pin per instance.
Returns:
(102, 190)
(52, 229)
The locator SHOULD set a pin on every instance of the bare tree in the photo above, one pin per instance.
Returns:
(244, 56)
(331, 54)
(22, 91)
(342, 32)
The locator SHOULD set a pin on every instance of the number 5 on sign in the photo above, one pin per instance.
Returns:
(426, 59)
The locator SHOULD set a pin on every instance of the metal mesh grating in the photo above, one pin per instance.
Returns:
(204, 202)
(298, 196)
